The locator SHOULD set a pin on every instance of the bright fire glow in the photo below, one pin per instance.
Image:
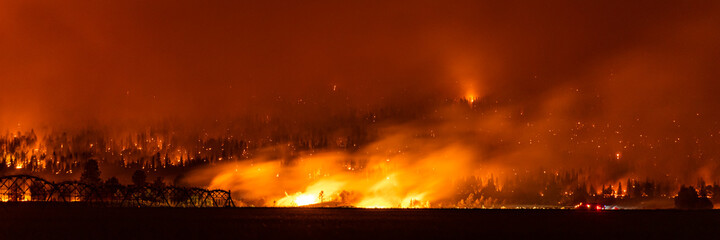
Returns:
(413, 179)
(470, 98)
(305, 199)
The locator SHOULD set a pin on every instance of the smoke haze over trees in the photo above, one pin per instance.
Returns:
(622, 90)
(76, 63)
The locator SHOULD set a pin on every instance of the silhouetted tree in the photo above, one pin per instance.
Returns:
(688, 198)
(111, 187)
(629, 188)
(158, 183)
(715, 193)
(158, 189)
(139, 178)
(649, 188)
(703, 191)
(606, 192)
(704, 203)
(38, 192)
(91, 173)
(580, 195)
(113, 181)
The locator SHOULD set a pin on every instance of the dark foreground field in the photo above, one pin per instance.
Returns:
(21, 221)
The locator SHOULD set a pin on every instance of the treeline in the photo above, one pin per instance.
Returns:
(63, 153)
(567, 189)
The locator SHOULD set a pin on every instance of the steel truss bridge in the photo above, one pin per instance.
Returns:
(18, 188)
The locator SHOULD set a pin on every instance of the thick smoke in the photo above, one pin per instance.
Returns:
(139, 63)
(625, 88)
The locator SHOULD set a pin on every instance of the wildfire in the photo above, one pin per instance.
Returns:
(470, 98)
(413, 178)
(314, 194)
(305, 199)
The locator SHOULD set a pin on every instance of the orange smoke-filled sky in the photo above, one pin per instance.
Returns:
(72, 62)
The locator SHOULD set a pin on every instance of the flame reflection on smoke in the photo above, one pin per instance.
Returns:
(399, 171)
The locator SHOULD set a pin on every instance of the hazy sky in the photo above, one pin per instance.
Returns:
(65, 62)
